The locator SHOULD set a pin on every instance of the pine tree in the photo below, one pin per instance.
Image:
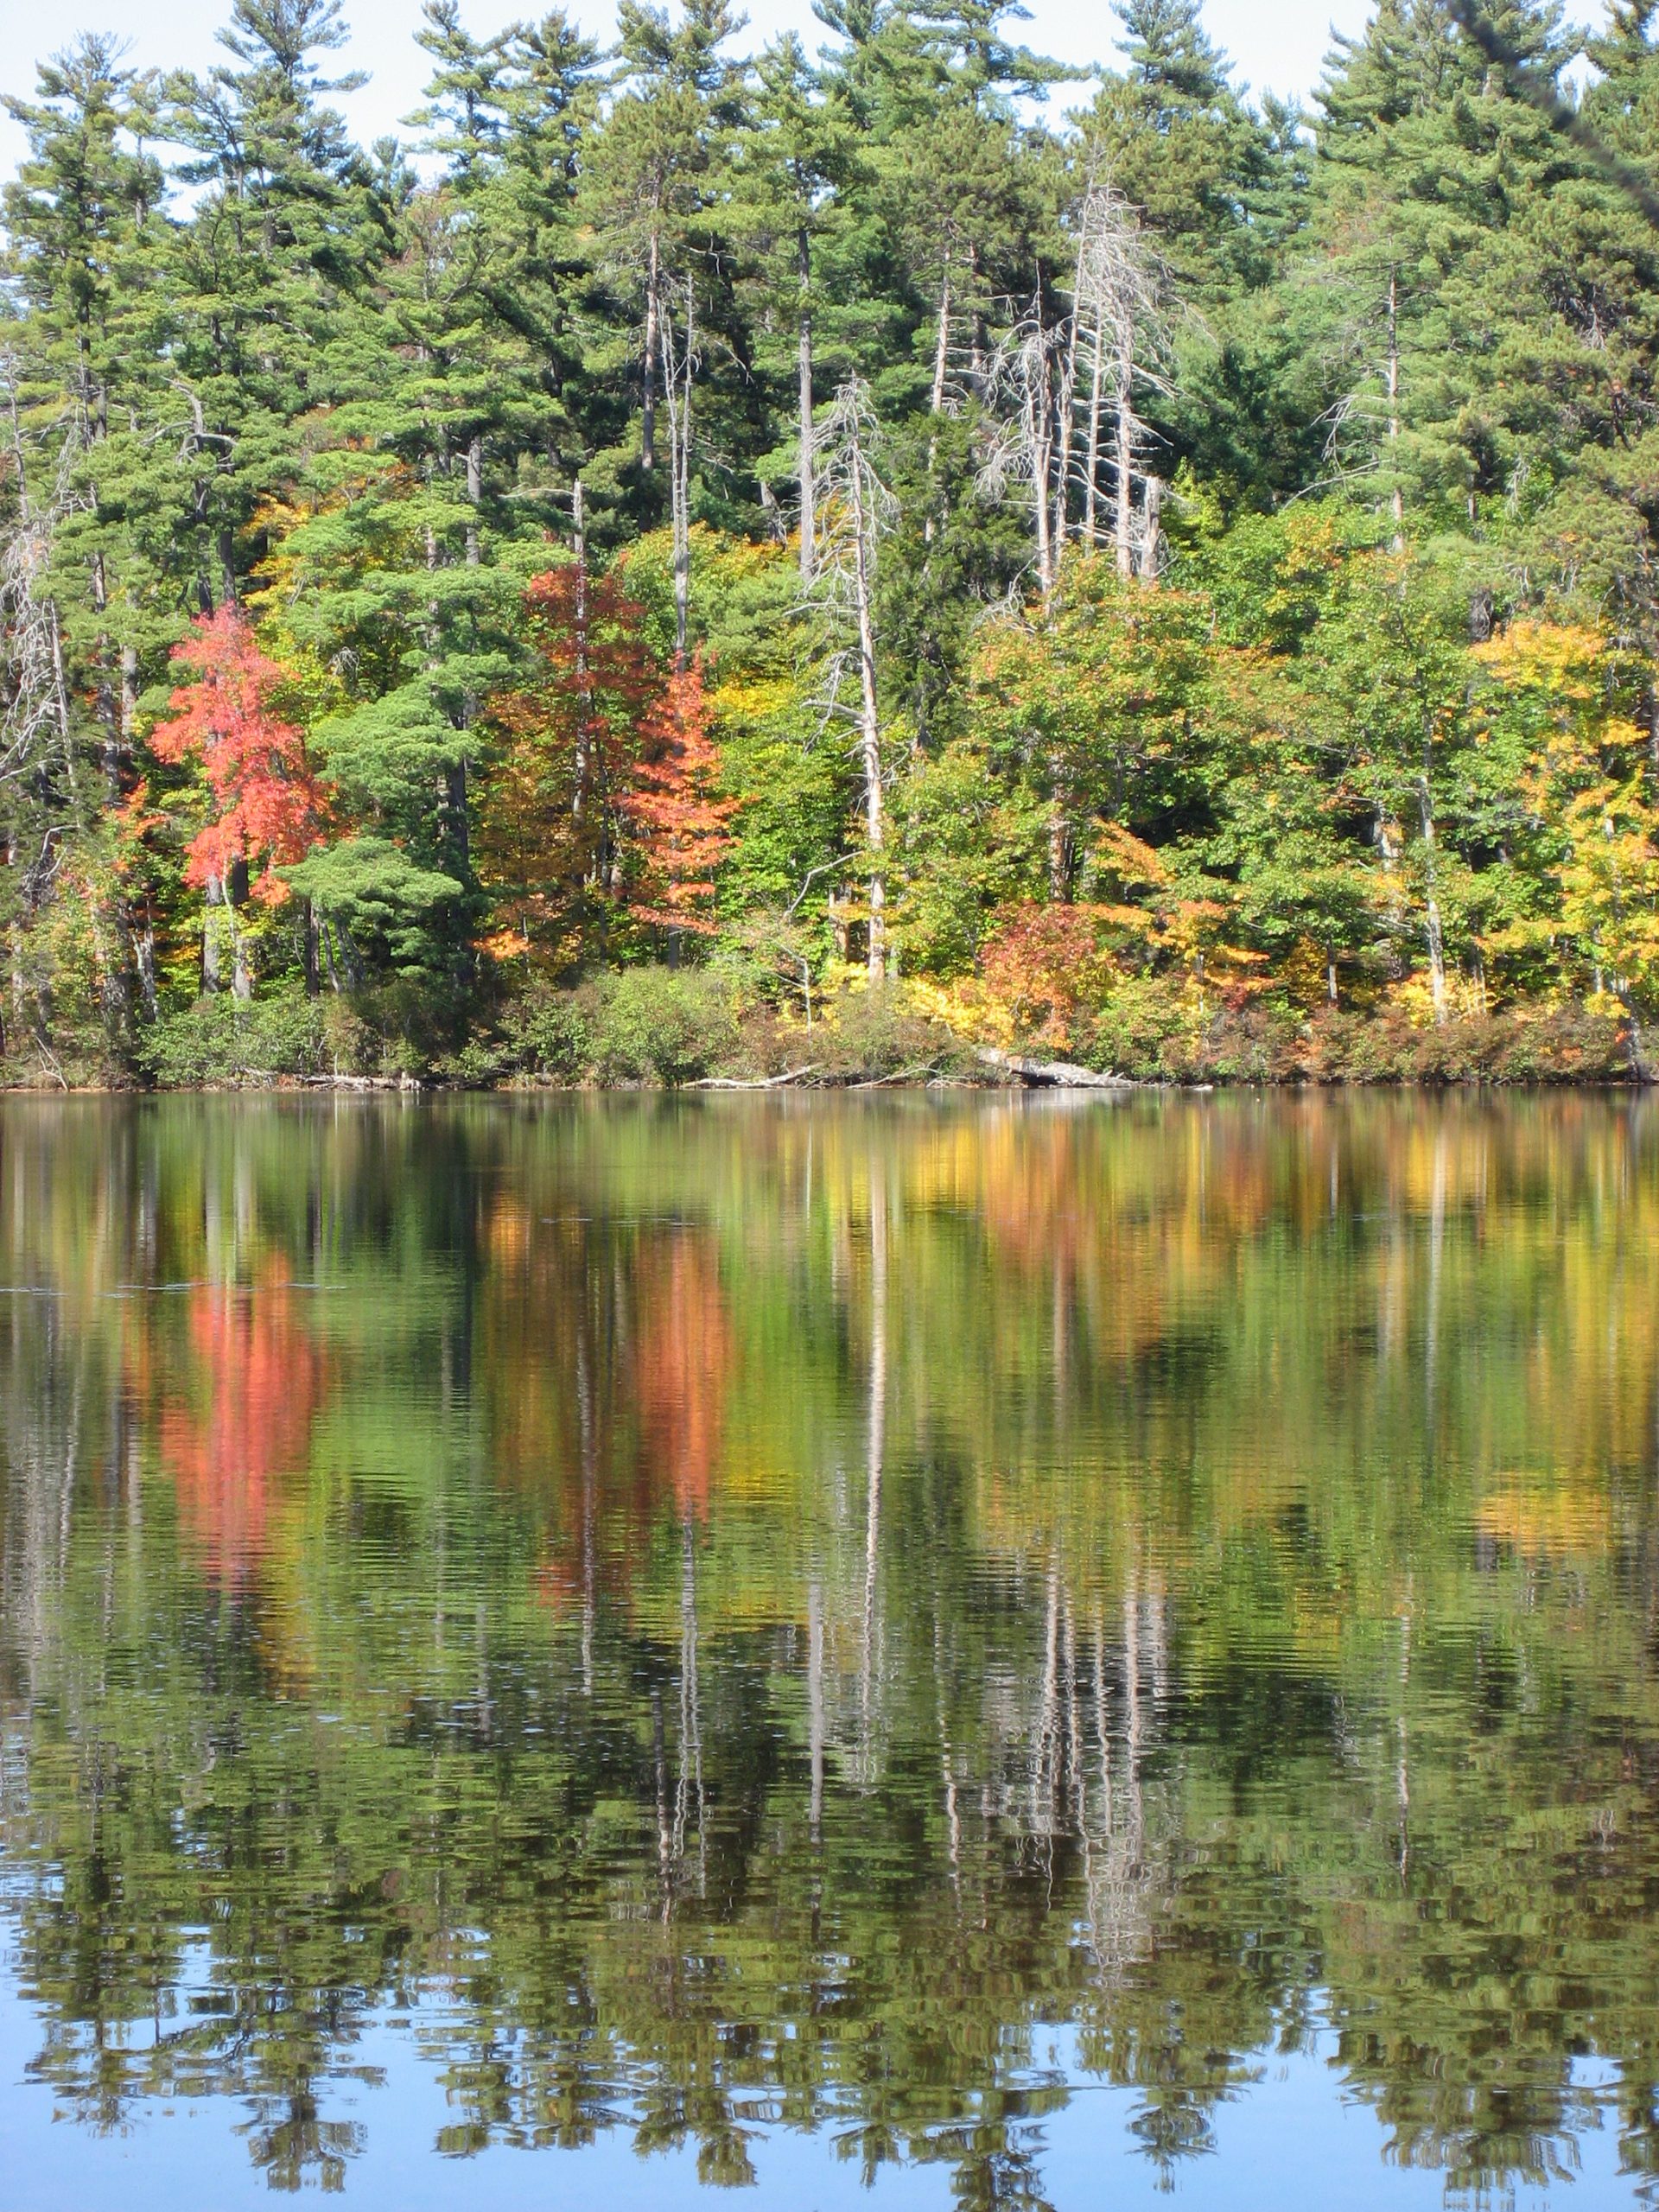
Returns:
(82, 376)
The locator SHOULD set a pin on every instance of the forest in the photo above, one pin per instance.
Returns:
(697, 564)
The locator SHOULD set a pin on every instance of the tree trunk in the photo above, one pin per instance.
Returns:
(1059, 840)
(804, 383)
(474, 497)
(676, 395)
(584, 701)
(653, 316)
(1125, 455)
(941, 341)
(129, 695)
(311, 949)
(869, 727)
(1039, 426)
(1068, 399)
(210, 975)
(236, 899)
(455, 809)
(979, 347)
(1152, 506)
(1432, 909)
(1397, 499)
(1091, 480)
(144, 947)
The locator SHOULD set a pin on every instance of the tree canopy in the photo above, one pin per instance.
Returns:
(990, 474)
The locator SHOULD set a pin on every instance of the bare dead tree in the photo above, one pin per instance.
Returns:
(36, 720)
(679, 363)
(855, 511)
(1069, 394)
(1122, 313)
(1120, 316)
(1024, 373)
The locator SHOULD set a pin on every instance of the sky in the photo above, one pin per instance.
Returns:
(1276, 45)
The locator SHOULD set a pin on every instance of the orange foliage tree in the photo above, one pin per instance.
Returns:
(549, 832)
(680, 824)
(1042, 966)
(265, 805)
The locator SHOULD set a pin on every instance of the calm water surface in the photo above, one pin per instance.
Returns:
(923, 1653)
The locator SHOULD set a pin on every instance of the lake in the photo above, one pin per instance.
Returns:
(922, 1652)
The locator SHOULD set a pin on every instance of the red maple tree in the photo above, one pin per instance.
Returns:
(267, 806)
(548, 832)
(680, 825)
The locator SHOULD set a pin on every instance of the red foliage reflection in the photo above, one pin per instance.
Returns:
(234, 1418)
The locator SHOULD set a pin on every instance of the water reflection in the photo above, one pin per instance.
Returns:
(686, 1620)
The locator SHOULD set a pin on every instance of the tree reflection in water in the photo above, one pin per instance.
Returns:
(740, 1614)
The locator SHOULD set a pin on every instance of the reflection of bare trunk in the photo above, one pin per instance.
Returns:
(1401, 1774)
(1117, 1881)
(815, 1700)
(589, 1486)
(876, 1438)
(1436, 1253)
(947, 1759)
(689, 1797)
(1044, 1762)
(664, 1830)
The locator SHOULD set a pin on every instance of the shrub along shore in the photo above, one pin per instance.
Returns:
(661, 1027)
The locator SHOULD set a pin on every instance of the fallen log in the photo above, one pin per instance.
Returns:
(1051, 1075)
(338, 1081)
(761, 1083)
(899, 1075)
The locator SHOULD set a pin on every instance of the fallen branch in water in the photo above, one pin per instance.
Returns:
(899, 1075)
(1051, 1075)
(349, 1082)
(761, 1083)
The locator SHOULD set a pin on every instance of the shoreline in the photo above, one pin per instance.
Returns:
(1119, 1088)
